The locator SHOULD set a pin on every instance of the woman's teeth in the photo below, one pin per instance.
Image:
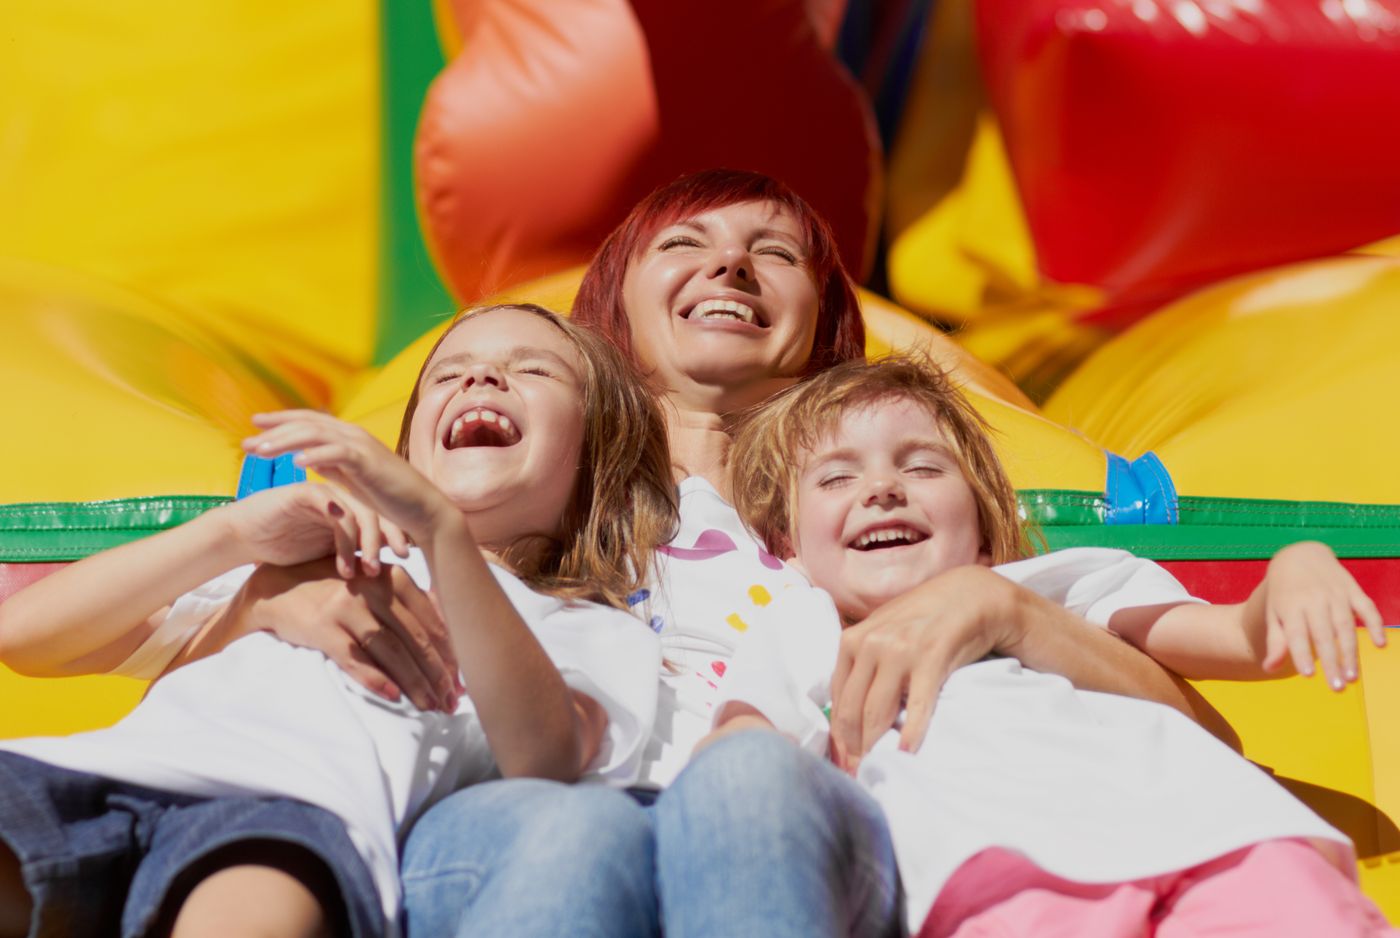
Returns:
(888, 537)
(723, 309)
(482, 426)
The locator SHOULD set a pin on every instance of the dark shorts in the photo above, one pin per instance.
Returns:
(103, 858)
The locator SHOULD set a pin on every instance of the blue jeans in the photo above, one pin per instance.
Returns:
(529, 857)
(101, 857)
(758, 838)
(755, 838)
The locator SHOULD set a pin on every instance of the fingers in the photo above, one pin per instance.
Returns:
(848, 712)
(382, 648)
(1312, 636)
(924, 685)
(401, 631)
(1365, 610)
(289, 430)
(361, 669)
(845, 658)
(882, 704)
(320, 438)
(427, 635)
(395, 536)
(370, 538)
(345, 530)
(1276, 648)
(1343, 626)
(1323, 633)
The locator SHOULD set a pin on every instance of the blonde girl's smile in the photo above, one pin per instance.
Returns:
(498, 418)
(883, 505)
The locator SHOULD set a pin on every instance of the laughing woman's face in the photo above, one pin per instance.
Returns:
(723, 304)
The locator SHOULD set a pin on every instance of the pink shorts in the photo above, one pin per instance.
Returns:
(1276, 889)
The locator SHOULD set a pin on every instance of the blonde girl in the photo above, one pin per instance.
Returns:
(1031, 807)
(261, 791)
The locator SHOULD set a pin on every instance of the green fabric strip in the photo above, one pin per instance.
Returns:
(39, 532)
(1216, 528)
(1223, 542)
(1210, 528)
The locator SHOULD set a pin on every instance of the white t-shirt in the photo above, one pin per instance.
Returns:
(710, 583)
(265, 718)
(1092, 787)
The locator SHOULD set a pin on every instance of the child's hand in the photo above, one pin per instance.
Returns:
(292, 524)
(1311, 606)
(352, 459)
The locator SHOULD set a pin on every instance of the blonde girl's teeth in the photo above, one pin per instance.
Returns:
(489, 416)
(505, 423)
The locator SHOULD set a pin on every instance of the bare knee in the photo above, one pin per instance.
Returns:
(16, 907)
(251, 902)
(255, 889)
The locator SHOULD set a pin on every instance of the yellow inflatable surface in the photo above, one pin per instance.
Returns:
(219, 156)
(1275, 385)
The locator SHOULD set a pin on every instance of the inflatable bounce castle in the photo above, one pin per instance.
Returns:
(1157, 240)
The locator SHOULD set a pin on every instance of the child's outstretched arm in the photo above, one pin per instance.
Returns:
(536, 725)
(91, 615)
(1306, 608)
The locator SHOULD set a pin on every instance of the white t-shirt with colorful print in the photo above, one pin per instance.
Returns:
(710, 583)
(263, 718)
(1092, 787)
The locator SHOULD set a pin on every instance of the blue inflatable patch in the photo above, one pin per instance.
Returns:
(1139, 492)
(259, 473)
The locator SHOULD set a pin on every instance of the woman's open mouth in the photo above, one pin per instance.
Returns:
(726, 310)
(482, 426)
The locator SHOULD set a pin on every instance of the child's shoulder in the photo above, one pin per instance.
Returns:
(1069, 562)
(1097, 581)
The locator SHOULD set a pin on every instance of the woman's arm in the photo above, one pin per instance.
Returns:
(90, 616)
(382, 630)
(903, 653)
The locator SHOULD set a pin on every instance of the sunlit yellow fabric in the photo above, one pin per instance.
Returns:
(1307, 735)
(111, 394)
(221, 156)
(59, 706)
(1276, 385)
(971, 250)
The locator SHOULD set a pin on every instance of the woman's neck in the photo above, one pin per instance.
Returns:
(697, 418)
(698, 444)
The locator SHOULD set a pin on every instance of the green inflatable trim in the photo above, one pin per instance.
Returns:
(1216, 528)
(1210, 528)
(43, 532)
(412, 298)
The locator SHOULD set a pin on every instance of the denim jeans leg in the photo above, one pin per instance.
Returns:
(758, 838)
(528, 857)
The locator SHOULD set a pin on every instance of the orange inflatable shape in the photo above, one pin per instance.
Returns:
(557, 116)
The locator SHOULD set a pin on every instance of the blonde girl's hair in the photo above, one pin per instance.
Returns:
(623, 504)
(771, 441)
